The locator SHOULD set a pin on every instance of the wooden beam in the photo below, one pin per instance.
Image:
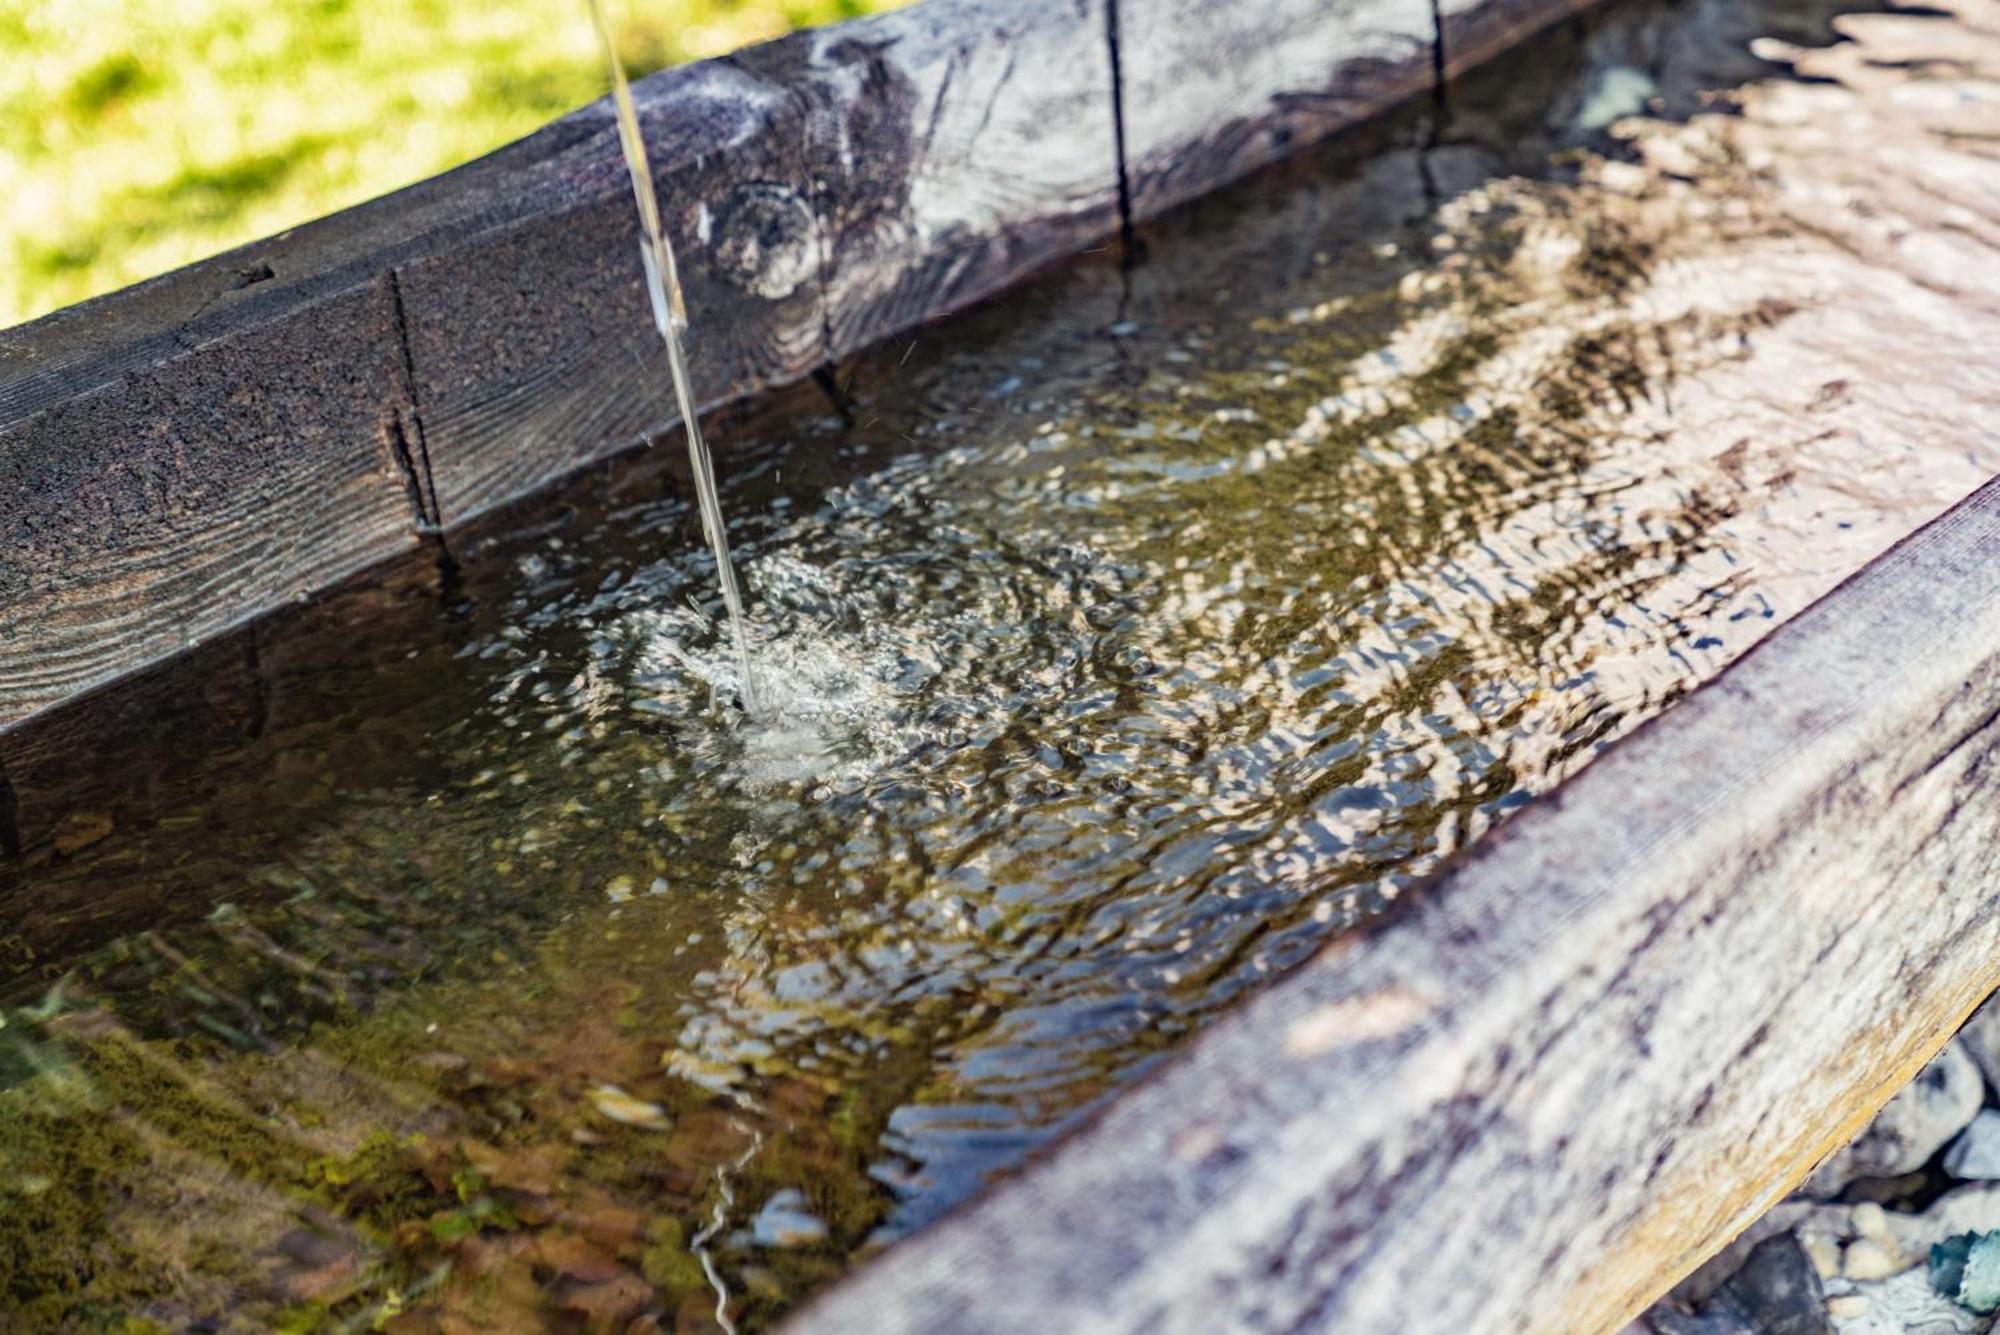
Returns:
(164, 503)
(1748, 924)
(953, 147)
(183, 456)
(531, 347)
(1211, 92)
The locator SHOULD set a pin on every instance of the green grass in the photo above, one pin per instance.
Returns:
(136, 136)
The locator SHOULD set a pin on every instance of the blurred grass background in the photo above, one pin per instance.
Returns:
(139, 135)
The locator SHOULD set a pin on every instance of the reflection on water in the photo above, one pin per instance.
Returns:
(1128, 641)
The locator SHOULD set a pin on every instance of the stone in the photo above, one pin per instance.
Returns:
(1981, 1038)
(619, 1106)
(1864, 1259)
(1823, 1252)
(1869, 1220)
(1807, 1218)
(1974, 1208)
(1916, 1124)
(1975, 1154)
(785, 1221)
(1979, 1287)
(604, 1304)
(1777, 1292)
(80, 829)
(1847, 1306)
(1891, 1192)
(1619, 91)
(1966, 1269)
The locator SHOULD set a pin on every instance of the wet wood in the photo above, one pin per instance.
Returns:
(205, 447)
(243, 722)
(953, 147)
(1214, 91)
(163, 505)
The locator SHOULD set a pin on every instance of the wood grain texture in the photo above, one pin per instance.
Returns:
(532, 349)
(1214, 91)
(953, 147)
(1742, 928)
(200, 449)
(1640, 1013)
(158, 509)
(824, 191)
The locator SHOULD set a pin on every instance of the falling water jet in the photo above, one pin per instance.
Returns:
(663, 288)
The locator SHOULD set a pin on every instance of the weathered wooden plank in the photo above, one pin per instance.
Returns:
(1211, 92)
(157, 509)
(1629, 1022)
(78, 348)
(506, 339)
(1410, 1135)
(531, 346)
(187, 454)
(953, 147)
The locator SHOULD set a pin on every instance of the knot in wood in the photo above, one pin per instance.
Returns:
(766, 240)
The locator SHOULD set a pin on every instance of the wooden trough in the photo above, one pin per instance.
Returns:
(1575, 1066)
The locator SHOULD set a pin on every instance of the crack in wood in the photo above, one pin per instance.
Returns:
(827, 379)
(398, 442)
(1440, 115)
(416, 466)
(1127, 234)
(1957, 744)
(1440, 83)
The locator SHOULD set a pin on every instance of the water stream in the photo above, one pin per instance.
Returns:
(663, 291)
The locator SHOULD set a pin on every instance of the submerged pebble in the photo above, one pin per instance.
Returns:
(1975, 1155)
(619, 1106)
(785, 1221)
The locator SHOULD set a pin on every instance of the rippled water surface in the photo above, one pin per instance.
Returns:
(454, 956)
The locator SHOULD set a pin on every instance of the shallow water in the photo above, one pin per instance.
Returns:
(454, 949)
